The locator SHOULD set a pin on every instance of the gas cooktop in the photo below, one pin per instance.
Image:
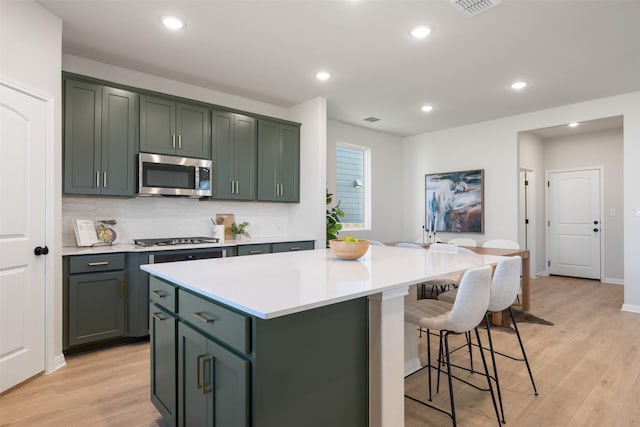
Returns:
(171, 241)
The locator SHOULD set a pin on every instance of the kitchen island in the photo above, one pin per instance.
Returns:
(311, 339)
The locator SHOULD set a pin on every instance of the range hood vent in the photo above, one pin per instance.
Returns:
(474, 7)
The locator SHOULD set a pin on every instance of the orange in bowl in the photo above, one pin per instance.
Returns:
(348, 250)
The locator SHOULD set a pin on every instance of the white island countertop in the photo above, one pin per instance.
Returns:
(273, 285)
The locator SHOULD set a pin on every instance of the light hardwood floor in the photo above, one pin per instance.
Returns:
(586, 367)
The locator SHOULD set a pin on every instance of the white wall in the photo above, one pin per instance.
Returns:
(308, 215)
(192, 216)
(30, 46)
(477, 146)
(594, 150)
(532, 158)
(386, 176)
(492, 146)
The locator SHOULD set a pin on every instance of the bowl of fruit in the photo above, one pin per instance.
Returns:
(349, 247)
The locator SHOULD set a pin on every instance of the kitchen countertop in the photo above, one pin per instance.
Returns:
(130, 247)
(274, 285)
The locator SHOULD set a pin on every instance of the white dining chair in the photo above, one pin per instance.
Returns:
(462, 241)
(462, 316)
(375, 243)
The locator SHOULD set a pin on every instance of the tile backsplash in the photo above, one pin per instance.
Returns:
(155, 217)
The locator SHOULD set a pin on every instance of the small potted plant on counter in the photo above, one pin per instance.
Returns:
(239, 230)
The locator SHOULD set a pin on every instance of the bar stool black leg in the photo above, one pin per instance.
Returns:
(487, 320)
(526, 361)
(429, 360)
(448, 361)
(486, 371)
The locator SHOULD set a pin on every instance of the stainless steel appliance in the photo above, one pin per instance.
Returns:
(173, 176)
(172, 241)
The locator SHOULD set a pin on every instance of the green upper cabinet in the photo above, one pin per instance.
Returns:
(169, 127)
(278, 162)
(234, 156)
(100, 131)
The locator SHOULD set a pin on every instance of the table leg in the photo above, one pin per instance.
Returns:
(386, 358)
(526, 284)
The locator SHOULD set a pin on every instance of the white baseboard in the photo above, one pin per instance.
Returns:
(612, 281)
(58, 362)
(631, 308)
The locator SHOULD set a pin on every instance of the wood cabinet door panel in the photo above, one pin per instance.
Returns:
(82, 112)
(163, 362)
(245, 153)
(193, 130)
(157, 125)
(96, 307)
(119, 119)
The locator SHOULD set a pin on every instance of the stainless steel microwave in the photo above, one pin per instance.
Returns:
(173, 176)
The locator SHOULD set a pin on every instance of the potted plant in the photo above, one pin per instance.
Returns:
(333, 219)
(239, 230)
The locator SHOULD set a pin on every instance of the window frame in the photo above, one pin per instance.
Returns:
(366, 225)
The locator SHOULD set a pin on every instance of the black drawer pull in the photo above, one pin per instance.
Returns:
(203, 318)
(98, 263)
(160, 294)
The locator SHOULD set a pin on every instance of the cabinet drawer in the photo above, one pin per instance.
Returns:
(218, 322)
(292, 246)
(162, 293)
(254, 249)
(94, 263)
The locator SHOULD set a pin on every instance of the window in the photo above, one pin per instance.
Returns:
(353, 188)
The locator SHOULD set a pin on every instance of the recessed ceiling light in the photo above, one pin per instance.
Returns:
(172, 22)
(323, 75)
(420, 32)
(574, 125)
(519, 85)
(426, 108)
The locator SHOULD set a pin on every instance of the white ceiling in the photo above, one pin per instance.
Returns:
(569, 51)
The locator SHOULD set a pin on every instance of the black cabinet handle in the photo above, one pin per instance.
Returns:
(595, 222)
(38, 250)
(596, 230)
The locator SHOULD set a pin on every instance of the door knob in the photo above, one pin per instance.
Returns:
(596, 230)
(40, 250)
(595, 222)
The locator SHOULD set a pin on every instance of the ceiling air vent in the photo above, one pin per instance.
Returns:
(474, 7)
(371, 119)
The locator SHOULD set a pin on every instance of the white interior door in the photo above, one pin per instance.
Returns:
(23, 122)
(574, 223)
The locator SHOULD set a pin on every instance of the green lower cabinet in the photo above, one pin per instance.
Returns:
(94, 299)
(96, 307)
(162, 331)
(305, 369)
(213, 383)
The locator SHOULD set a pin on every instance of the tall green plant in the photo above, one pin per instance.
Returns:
(333, 218)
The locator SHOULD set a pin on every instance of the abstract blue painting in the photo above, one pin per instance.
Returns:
(454, 202)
